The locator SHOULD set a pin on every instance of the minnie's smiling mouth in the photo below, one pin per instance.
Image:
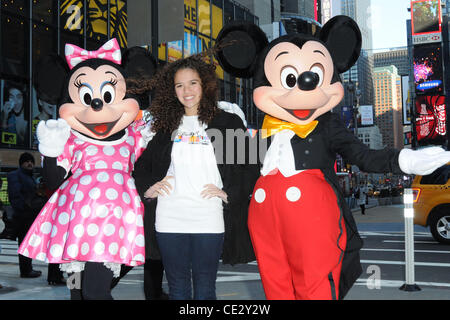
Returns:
(100, 129)
(301, 114)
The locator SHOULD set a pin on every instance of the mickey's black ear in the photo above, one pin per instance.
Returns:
(140, 66)
(239, 44)
(49, 78)
(343, 39)
(139, 63)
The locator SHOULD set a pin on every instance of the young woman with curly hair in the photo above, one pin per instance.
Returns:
(197, 202)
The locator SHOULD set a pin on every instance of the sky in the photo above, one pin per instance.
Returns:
(388, 22)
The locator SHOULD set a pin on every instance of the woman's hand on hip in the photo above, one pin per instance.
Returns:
(212, 191)
(160, 188)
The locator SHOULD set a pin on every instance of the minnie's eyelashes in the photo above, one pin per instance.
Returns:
(78, 83)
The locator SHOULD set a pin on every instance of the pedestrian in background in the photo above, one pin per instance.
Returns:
(21, 185)
(362, 198)
(199, 205)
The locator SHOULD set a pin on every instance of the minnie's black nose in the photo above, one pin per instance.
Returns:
(97, 104)
(308, 81)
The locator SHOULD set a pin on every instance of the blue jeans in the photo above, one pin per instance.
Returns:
(183, 253)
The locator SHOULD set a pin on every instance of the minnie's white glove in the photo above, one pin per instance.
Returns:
(423, 161)
(52, 136)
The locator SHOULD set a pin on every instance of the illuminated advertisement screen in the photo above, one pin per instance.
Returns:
(431, 120)
(426, 16)
(428, 69)
(406, 101)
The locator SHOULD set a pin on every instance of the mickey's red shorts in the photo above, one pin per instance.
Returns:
(298, 234)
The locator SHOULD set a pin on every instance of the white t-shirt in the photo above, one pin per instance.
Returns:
(193, 166)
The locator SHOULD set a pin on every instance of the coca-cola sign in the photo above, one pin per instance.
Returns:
(431, 119)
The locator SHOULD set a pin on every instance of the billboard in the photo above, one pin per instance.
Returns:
(366, 113)
(426, 17)
(431, 120)
(426, 21)
(428, 73)
(406, 100)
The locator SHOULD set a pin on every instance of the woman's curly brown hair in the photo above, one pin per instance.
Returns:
(166, 109)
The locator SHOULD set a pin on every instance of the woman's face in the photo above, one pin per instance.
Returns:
(16, 97)
(188, 88)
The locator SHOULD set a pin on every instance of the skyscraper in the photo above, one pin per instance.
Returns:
(361, 72)
(388, 105)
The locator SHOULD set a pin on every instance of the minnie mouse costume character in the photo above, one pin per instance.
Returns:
(305, 238)
(94, 220)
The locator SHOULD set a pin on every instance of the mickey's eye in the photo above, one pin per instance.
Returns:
(86, 95)
(289, 77)
(108, 93)
(318, 69)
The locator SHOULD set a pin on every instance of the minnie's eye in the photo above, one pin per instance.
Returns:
(289, 77)
(108, 93)
(86, 95)
(318, 69)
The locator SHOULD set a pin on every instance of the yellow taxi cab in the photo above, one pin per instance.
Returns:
(432, 202)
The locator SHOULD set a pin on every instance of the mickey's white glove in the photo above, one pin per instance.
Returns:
(423, 161)
(232, 108)
(52, 136)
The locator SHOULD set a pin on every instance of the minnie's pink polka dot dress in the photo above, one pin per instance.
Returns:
(96, 214)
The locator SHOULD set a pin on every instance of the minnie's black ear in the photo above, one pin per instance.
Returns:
(139, 63)
(343, 39)
(239, 44)
(49, 78)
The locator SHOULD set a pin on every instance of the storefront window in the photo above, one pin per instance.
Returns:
(14, 114)
(15, 46)
(17, 7)
(45, 11)
(44, 41)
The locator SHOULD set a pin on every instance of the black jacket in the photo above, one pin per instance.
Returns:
(238, 182)
(318, 151)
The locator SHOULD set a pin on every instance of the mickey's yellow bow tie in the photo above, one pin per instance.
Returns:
(273, 125)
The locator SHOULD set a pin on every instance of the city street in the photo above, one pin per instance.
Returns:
(382, 258)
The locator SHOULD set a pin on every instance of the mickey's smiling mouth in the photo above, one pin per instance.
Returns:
(99, 129)
(301, 114)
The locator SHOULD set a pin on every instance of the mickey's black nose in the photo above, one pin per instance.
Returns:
(308, 81)
(97, 104)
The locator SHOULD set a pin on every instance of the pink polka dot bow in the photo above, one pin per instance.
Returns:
(109, 51)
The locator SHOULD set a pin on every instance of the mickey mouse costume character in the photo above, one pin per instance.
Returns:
(305, 238)
(94, 221)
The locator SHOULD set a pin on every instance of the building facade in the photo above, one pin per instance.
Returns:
(371, 137)
(387, 105)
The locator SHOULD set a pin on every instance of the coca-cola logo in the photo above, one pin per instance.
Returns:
(430, 117)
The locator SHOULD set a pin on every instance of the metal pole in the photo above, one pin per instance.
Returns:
(409, 242)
